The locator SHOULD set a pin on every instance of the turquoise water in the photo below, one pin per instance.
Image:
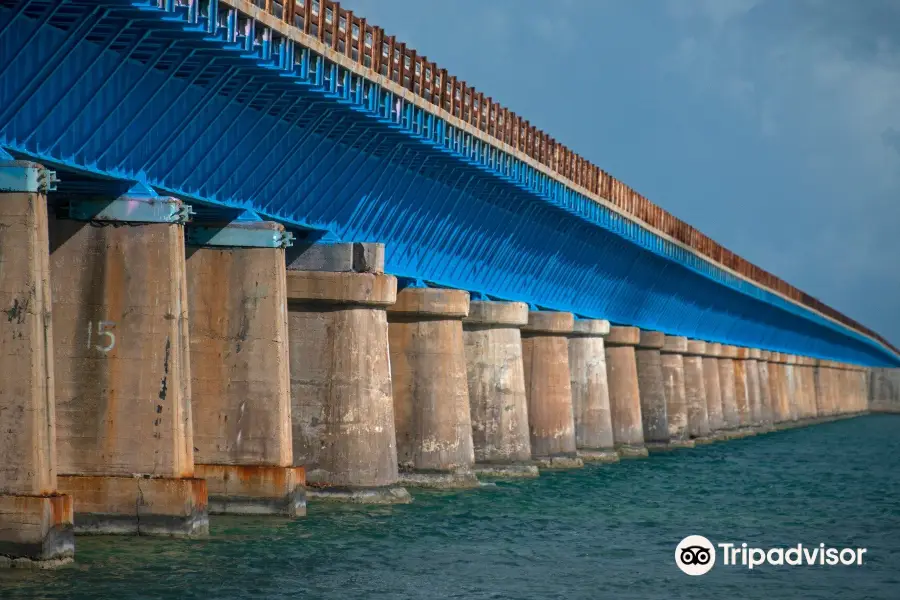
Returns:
(603, 532)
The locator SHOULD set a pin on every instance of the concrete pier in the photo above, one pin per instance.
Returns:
(884, 390)
(36, 522)
(730, 412)
(122, 367)
(548, 386)
(695, 392)
(713, 388)
(793, 392)
(778, 389)
(654, 413)
(624, 393)
(430, 388)
(240, 371)
(672, 358)
(765, 396)
(754, 396)
(342, 408)
(590, 391)
(496, 384)
(823, 391)
(742, 388)
(808, 385)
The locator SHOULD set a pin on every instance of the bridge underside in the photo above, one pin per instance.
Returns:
(125, 92)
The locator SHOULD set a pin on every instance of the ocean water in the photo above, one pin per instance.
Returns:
(601, 532)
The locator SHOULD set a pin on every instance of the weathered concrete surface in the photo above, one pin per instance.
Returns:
(672, 359)
(742, 387)
(240, 378)
(823, 389)
(548, 387)
(778, 389)
(590, 391)
(141, 505)
(624, 393)
(652, 388)
(342, 407)
(123, 378)
(337, 257)
(713, 387)
(695, 391)
(793, 394)
(754, 397)
(254, 490)
(727, 387)
(431, 398)
(765, 396)
(808, 380)
(496, 384)
(35, 522)
(884, 390)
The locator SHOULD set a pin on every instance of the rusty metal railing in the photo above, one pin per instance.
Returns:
(369, 46)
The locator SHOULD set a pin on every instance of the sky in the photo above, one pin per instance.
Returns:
(771, 125)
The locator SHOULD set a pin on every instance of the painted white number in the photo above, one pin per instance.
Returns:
(102, 327)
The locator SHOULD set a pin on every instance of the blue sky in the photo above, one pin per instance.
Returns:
(772, 126)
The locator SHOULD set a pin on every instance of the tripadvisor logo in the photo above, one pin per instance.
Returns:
(696, 555)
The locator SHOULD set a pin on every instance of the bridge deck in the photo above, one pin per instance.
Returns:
(180, 101)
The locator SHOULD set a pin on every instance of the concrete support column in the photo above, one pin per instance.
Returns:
(695, 392)
(35, 520)
(122, 355)
(809, 386)
(713, 387)
(624, 393)
(672, 358)
(240, 371)
(839, 375)
(778, 389)
(590, 391)
(835, 381)
(884, 390)
(548, 386)
(793, 393)
(730, 411)
(822, 392)
(342, 406)
(742, 389)
(432, 419)
(497, 400)
(754, 394)
(803, 395)
(654, 413)
(862, 386)
(765, 391)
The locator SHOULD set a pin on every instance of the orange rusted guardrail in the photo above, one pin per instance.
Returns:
(368, 45)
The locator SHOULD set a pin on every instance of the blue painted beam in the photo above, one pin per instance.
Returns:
(173, 100)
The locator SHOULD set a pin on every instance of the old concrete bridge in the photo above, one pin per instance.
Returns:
(254, 252)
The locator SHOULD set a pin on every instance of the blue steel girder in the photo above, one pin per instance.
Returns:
(184, 101)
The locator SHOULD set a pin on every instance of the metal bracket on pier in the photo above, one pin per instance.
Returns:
(132, 210)
(240, 235)
(24, 176)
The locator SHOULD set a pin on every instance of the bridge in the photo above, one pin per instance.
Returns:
(194, 177)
